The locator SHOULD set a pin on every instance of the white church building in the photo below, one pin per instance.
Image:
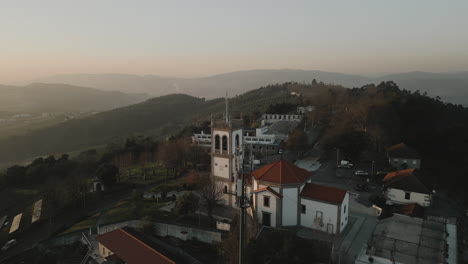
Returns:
(282, 194)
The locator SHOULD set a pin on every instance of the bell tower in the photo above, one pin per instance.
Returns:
(226, 154)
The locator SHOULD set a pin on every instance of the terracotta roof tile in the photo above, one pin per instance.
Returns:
(270, 190)
(323, 193)
(397, 174)
(402, 151)
(130, 249)
(282, 172)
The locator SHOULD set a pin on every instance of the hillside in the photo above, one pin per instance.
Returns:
(158, 117)
(40, 97)
(449, 86)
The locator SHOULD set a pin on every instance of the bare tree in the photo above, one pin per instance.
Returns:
(211, 195)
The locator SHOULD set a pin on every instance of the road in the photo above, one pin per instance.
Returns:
(27, 239)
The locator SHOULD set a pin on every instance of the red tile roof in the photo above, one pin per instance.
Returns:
(130, 249)
(323, 193)
(402, 151)
(398, 174)
(282, 172)
(270, 190)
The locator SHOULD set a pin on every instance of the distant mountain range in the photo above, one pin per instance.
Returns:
(40, 97)
(451, 87)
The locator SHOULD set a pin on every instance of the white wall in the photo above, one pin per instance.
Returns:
(290, 196)
(272, 209)
(411, 163)
(397, 196)
(344, 212)
(221, 167)
(329, 211)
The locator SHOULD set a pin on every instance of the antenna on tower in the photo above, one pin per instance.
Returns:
(227, 109)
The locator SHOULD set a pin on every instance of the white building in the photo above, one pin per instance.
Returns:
(403, 187)
(305, 109)
(401, 156)
(202, 140)
(272, 118)
(282, 196)
(226, 155)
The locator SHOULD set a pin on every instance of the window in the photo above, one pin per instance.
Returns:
(407, 195)
(303, 209)
(104, 251)
(319, 214)
(414, 161)
(266, 201)
(344, 210)
(217, 142)
(225, 189)
(237, 141)
(225, 143)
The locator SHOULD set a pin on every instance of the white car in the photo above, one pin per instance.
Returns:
(9, 245)
(361, 173)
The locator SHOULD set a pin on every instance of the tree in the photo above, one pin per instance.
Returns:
(107, 173)
(297, 140)
(187, 204)
(211, 194)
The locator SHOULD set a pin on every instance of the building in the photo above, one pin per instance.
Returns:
(272, 118)
(283, 196)
(121, 246)
(305, 109)
(407, 240)
(202, 140)
(227, 155)
(401, 156)
(404, 187)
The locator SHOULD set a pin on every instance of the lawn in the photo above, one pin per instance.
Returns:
(85, 224)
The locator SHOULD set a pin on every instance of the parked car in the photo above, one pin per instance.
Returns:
(345, 164)
(9, 245)
(361, 173)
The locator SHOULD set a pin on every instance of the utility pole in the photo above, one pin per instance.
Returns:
(243, 204)
(337, 156)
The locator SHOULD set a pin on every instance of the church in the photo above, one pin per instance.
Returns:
(281, 193)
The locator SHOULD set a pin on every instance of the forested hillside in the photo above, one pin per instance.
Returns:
(40, 97)
(159, 117)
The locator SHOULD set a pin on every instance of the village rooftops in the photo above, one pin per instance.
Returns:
(282, 172)
(323, 193)
(130, 249)
(405, 180)
(402, 151)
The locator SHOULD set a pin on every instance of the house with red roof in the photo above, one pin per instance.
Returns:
(122, 246)
(401, 156)
(404, 187)
(283, 195)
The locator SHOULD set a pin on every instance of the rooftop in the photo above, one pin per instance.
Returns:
(131, 249)
(323, 193)
(409, 240)
(405, 180)
(282, 172)
(402, 151)
(282, 127)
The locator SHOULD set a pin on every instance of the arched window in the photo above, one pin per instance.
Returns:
(225, 143)
(237, 141)
(217, 143)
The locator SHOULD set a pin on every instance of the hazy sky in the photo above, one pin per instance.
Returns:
(197, 38)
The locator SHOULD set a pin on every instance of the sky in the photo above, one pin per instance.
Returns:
(199, 38)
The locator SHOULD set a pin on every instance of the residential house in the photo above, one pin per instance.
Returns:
(401, 156)
(284, 196)
(122, 246)
(404, 187)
